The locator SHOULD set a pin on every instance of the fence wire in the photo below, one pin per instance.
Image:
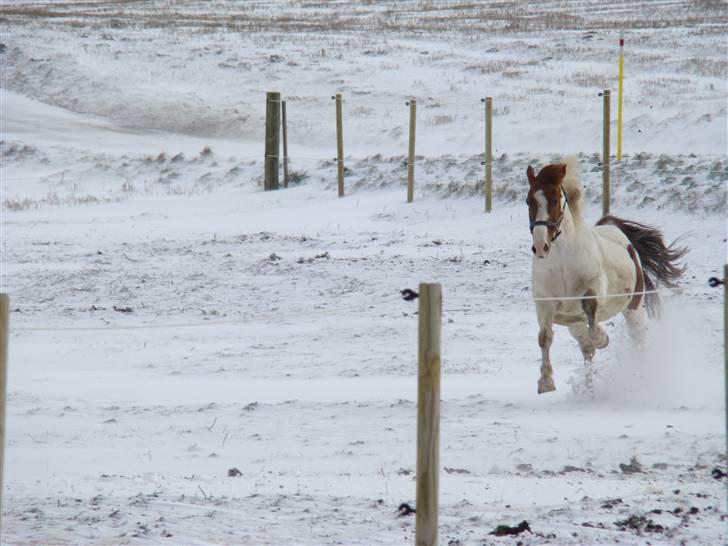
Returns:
(334, 313)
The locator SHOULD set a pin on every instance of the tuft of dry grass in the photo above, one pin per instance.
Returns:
(716, 68)
(589, 80)
(658, 87)
(52, 199)
(440, 119)
(512, 73)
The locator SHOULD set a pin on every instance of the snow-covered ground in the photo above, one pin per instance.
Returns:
(196, 361)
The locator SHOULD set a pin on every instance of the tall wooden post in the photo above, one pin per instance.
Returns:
(285, 144)
(488, 154)
(4, 319)
(340, 143)
(605, 156)
(621, 97)
(428, 415)
(272, 140)
(725, 345)
(411, 157)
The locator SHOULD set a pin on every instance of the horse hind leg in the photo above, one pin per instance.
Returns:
(634, 314)
(636, 325)
(598, 335)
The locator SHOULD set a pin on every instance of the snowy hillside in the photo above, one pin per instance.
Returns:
(196, 361)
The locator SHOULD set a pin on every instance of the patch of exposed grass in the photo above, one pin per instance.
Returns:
(589, 80)
(52, 199)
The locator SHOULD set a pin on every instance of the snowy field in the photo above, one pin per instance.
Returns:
(196, 361)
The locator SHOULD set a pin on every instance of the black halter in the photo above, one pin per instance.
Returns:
(550, 223)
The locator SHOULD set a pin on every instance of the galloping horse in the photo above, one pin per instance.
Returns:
(583, 275)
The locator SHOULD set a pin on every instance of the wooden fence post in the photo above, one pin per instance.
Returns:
(340, 143)
(272, 140)
(411, 157)
(606, 198)
(488, 153)
(285, 144)
(428, 414)
(621, 97)
(4, 319)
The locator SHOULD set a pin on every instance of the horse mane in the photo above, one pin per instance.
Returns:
(573, 188)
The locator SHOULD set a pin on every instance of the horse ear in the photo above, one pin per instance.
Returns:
(531, 175)
(562, 170)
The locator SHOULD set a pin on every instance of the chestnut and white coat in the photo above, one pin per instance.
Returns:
(582, 275)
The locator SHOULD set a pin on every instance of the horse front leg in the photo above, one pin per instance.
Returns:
(545, 338)
(591, 337)
(582, 334)
(546, 381)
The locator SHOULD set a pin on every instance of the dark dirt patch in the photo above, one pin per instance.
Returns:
(639, 524)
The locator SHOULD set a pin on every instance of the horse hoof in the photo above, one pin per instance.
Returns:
(546, 385)
(601, 339)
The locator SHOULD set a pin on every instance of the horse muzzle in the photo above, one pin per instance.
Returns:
(541, 249)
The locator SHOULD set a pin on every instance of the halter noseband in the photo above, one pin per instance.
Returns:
(550, 223)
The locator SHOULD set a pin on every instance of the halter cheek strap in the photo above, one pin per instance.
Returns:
(550, 223)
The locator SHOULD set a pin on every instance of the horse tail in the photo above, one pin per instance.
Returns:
(659, 261)
(572, 187)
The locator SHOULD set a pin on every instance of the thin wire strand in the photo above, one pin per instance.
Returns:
(316, 158)
(605, 296)
(354, 98)
(129, 327)
(320, 313)
(244, 320)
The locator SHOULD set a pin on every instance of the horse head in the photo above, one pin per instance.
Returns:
(546, 205)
